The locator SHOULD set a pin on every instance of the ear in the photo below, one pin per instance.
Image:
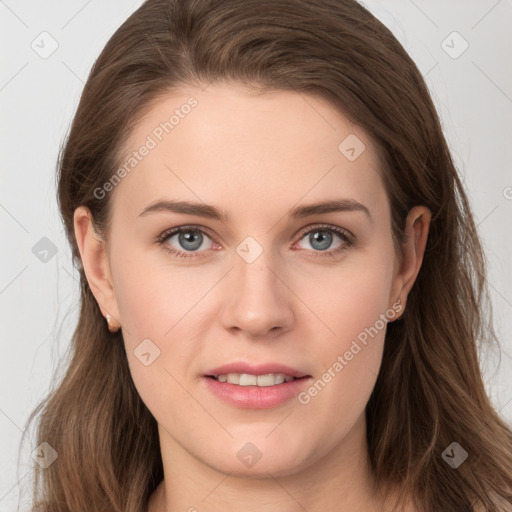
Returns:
(95, 263)
(416, 230)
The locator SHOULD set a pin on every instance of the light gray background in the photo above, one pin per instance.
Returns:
(38, 97)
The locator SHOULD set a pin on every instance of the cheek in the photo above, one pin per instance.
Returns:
(152, 299)
(354, 306)
(339, 310)
(159, 308)
(350, 298)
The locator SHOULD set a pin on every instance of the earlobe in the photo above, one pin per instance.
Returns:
(416, 229)
(95, 264)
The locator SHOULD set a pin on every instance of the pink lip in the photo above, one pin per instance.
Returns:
(256, 397)
(260, 369)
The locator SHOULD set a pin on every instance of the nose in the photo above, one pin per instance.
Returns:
(259, 302)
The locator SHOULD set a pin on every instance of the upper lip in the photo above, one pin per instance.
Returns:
(256, 369)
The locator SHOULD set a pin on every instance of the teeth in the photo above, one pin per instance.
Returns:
(270, 379)
(245, 379)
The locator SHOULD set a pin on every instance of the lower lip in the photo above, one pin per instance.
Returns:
(256, 397)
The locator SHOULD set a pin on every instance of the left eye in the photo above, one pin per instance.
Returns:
(191, 238)
(321, 238)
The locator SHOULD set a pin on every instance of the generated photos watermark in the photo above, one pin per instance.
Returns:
(343, 360)
(152, 140)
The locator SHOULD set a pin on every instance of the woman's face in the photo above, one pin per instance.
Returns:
(259, 281)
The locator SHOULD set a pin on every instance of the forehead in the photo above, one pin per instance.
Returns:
(257, 152)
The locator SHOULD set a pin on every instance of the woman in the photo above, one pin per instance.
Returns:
(263, 207)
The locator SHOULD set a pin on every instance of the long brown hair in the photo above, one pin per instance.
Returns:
(429, 392)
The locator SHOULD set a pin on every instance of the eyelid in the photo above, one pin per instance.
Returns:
(177, 229)
(328, 227)
(343, 233)
(168, 232)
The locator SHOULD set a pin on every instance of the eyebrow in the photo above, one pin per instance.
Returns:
(212, 212)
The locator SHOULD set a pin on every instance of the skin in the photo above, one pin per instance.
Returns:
(255, 157)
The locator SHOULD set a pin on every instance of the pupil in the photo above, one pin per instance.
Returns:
(187, 238)
(324, 239)
(321, 240)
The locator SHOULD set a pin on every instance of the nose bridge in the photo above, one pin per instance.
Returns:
(259, 301)
(259, 275)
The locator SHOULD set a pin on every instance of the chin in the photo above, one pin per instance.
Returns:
(263, 469)
(258, 457)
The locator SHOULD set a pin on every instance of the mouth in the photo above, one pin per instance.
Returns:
(255, 386)
(249, 386)
(261, 380)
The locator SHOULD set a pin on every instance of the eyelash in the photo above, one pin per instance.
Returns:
(342, 233)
